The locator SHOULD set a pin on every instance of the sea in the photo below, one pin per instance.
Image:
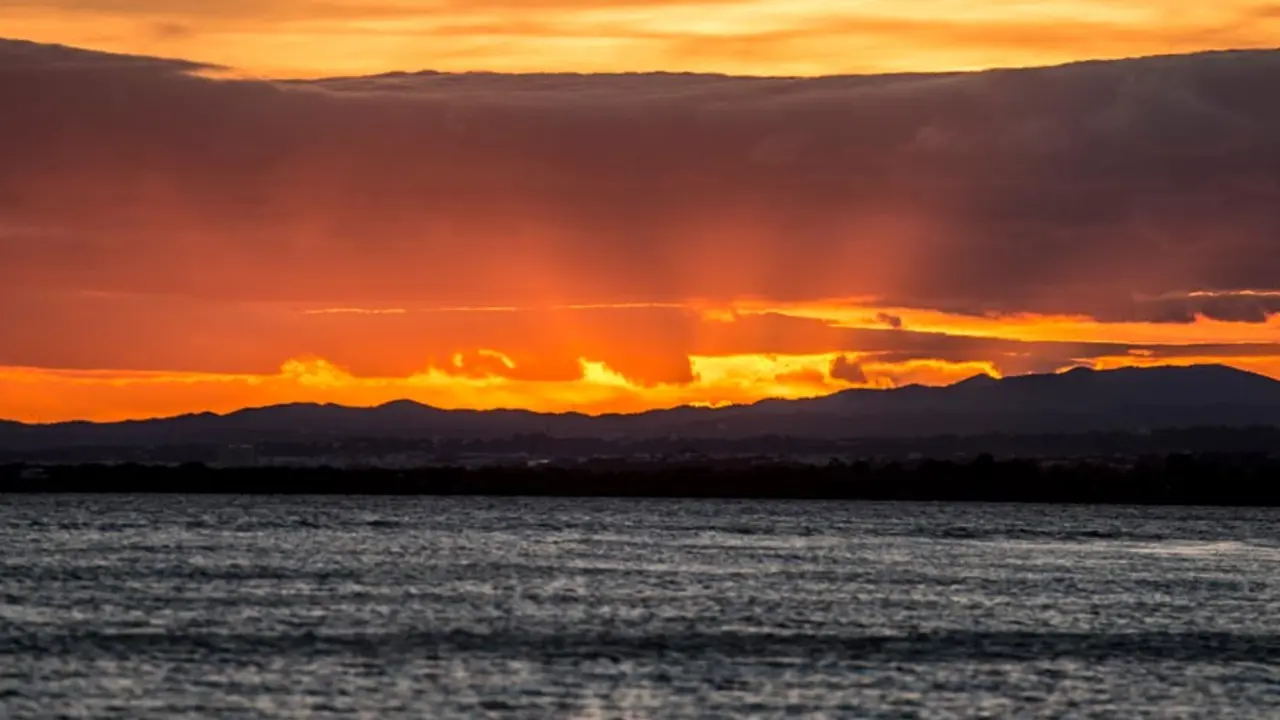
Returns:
(172, 606)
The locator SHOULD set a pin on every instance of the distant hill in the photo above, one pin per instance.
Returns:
(1076, 401)
(1079, 400)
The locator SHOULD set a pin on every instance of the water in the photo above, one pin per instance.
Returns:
(152, 606)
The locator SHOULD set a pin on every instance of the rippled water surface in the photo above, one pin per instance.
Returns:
(164, 606)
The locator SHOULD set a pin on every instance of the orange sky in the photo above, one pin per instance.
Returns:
(173, 242)
(313, 38)
(723, 354)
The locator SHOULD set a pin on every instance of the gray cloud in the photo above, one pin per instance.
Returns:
(842, 368)
(889, 319)
(1071, 189)
(1231, 306)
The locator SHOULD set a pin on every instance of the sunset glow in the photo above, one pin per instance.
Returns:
(47, 395)
(310, 38)
(740, 370)
(235, 218)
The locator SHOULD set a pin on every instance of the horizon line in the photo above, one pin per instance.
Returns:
(683, 406)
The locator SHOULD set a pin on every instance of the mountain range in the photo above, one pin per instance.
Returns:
(1076, 401)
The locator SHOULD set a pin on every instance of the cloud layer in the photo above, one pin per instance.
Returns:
(512, 227)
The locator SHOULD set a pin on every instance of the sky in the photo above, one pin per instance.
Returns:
(229, 211)
(318, 38)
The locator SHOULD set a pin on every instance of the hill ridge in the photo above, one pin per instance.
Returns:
(1128, 399)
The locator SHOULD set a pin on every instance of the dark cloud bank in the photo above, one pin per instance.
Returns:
(1069, 188)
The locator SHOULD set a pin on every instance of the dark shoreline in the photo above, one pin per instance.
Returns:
(1244, 481)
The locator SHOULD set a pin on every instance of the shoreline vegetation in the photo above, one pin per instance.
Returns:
(1179, 479)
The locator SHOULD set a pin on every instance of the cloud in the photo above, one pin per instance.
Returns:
(647, 345)
(1249, 306)
(842, 368)
(499, 190)
(154, 218)
(52, 395)
(22, 55)
(893, 321)
(355, 311)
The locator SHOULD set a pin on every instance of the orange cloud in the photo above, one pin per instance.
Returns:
(1026, 327)
(355, 311)
(484, 380)
(622, 358)
(466, 381)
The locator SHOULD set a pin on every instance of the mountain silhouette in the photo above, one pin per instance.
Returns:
(1079, 400)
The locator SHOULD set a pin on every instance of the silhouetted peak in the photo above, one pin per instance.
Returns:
(979, 380)
(404, 405)
(282, 407)
(405, 410)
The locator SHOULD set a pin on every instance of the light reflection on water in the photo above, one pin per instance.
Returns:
(151, 606)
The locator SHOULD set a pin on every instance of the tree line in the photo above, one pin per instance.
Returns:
(1179, 479)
